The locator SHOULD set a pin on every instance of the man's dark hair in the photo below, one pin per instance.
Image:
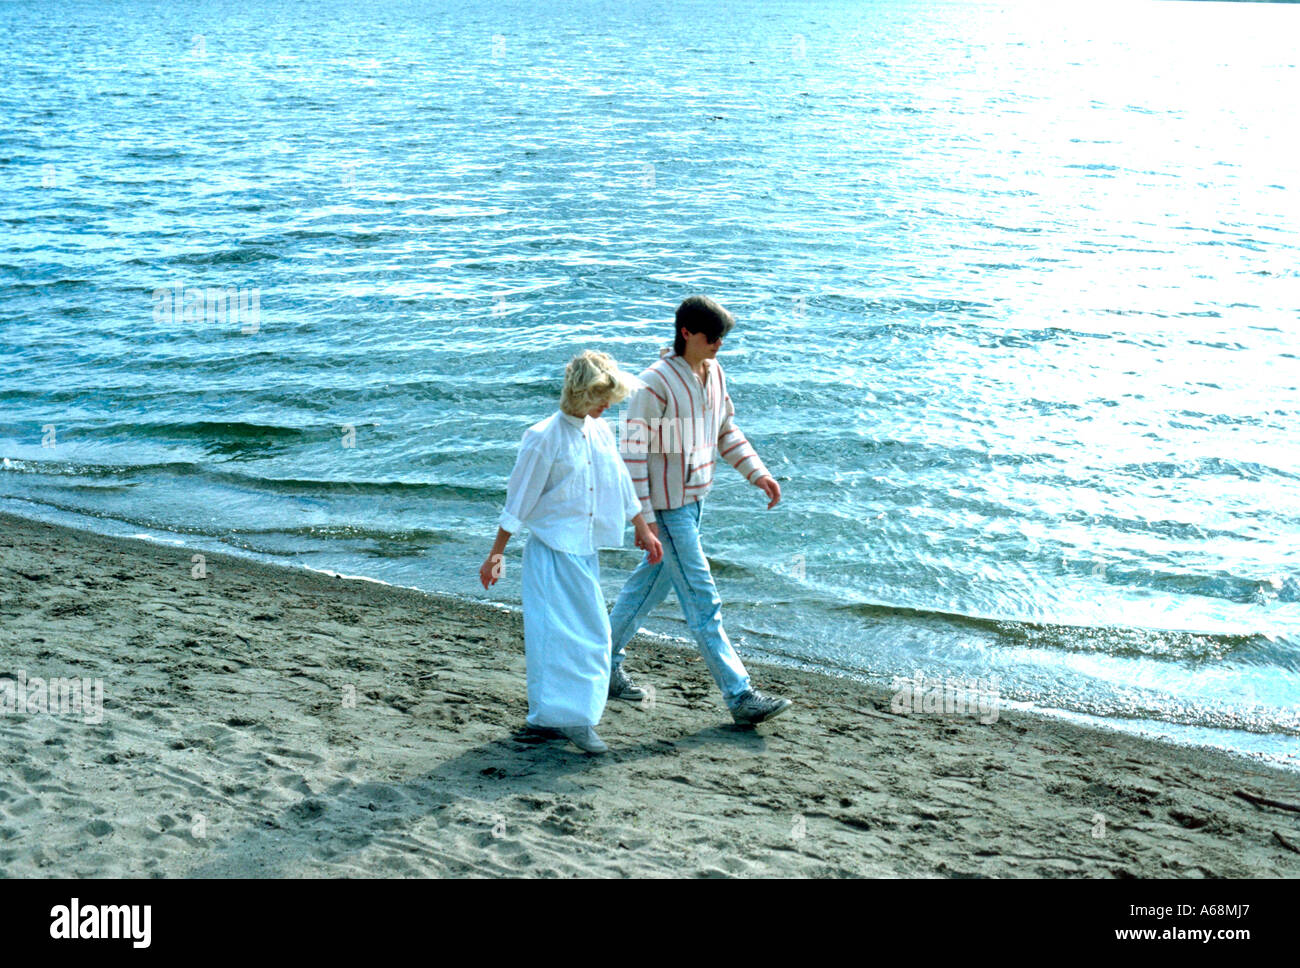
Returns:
(700, 314)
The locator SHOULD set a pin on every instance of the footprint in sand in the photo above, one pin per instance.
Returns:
(296, 783)
(20, 808)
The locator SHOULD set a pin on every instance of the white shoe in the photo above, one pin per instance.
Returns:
(584, 737)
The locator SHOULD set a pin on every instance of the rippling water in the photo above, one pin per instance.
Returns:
(1017, 293)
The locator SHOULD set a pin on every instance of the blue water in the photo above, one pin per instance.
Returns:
(1016, 288)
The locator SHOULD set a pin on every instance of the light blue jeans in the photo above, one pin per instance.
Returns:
(684, 569)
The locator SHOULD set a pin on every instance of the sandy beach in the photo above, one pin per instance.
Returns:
(271, 722)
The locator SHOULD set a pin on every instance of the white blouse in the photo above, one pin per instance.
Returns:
(570, 486)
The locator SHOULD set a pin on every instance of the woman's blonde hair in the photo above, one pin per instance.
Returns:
(591, 379)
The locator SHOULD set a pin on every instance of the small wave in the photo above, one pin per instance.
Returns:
(341, 236)
(411, 488)
(278, 485)
(417, 536)
(1173, 644)
(223, 429)
(1201, 468)
(52, 285)
(839, 303)
(1018, 229)
(152, 154)
(239, 256)
(728, 569)
(232, 439)
(55, 468)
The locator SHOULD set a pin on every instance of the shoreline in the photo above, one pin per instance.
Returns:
(1163, 731)
(265, 720)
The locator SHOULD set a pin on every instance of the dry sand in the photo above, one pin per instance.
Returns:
(230, 746)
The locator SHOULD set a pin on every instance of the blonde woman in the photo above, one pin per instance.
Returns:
(572, 490)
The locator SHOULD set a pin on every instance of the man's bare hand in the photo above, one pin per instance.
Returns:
(772, 489)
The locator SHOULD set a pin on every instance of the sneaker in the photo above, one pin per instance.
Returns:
(621, 687)
(753, 708)
(584, 737)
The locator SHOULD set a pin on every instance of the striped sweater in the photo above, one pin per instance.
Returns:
(673, 430)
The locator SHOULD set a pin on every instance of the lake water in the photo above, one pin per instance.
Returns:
(1016, 285)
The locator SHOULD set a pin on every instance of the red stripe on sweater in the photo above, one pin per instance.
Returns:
(682, 436)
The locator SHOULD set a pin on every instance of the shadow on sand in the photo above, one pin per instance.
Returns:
(354, 814)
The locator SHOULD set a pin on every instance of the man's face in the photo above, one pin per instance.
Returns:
(698, 346)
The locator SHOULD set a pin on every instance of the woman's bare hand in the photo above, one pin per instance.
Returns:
(491, 570)
(648, 542)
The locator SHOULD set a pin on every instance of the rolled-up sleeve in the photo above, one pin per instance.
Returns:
(734, 448)
(631, 502)
(527, 481)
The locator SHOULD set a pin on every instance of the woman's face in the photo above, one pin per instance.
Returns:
(595, 412)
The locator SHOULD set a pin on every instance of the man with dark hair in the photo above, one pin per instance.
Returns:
(674, 425)
(700, 314)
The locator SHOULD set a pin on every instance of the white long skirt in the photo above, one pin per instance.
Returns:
(566, 637)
